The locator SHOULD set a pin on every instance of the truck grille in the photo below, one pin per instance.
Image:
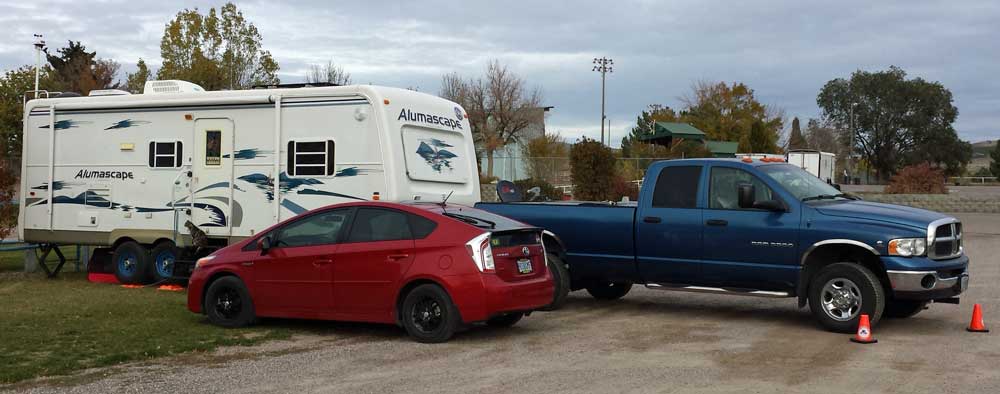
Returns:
(945, 239)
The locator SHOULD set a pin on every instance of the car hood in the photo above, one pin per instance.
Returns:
(898, 214)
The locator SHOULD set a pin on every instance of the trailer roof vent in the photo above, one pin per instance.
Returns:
(171, 86)
(108, 92)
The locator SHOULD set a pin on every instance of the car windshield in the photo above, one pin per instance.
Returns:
(801, 184)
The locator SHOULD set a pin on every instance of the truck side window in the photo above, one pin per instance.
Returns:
(677, 187)
(722, 191)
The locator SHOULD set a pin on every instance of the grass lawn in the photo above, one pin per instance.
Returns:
(14, 261)
(58, 326)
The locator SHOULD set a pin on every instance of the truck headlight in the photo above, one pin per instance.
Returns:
(907, 247)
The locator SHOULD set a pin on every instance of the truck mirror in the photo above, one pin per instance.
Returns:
(770, 205)
(745, 193)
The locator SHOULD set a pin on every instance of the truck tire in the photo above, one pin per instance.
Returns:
(609, 291)
(162, 258)
(902, 309)
(560, 277)
(428, 314)
(228, 303)
(131, 262)
(505, 320)
(840, 293)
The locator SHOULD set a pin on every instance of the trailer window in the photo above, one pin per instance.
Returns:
(166, 154)
(213, 147)
(310, 158)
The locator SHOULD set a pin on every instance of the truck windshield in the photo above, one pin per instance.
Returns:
(801, 184)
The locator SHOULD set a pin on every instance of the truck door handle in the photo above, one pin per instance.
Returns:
(652, 219)
(320, 263)
(396, 257)
(716, 222)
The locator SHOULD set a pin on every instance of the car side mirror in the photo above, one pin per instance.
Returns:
(746, 195)
(770, 205)
(264, 244)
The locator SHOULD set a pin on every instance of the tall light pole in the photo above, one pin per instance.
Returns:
(603, 66)
(39, 45)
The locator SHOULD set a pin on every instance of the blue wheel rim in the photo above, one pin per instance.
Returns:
(165, 263)
(127, 264)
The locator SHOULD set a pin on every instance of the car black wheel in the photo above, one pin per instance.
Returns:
(131, 263)
(840, 293)
(162, 258)
(609, 290)
(560, 278)
(228, 303)
(505, 320)
(428, 314)
(901, 309)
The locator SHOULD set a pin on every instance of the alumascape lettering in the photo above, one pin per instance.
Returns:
(87, 174)
(411, 116)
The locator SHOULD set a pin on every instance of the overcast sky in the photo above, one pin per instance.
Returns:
(784, 50)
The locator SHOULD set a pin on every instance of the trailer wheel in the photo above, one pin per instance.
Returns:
(163, 257)
(131, 263)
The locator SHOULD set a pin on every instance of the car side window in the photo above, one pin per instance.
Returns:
(420, 226)
(723, 184)
(320, 229)
(677, 187)
(376, 224)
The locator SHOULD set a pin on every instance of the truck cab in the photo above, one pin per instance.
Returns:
(758, 227)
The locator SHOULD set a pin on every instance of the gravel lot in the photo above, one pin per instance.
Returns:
(650, 341)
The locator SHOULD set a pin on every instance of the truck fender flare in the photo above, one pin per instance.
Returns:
(803, 283)
(548, 235)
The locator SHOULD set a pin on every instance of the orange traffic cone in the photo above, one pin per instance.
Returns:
(977, 320)
(864, 334)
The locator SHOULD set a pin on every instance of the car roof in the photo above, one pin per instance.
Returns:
(501, 223)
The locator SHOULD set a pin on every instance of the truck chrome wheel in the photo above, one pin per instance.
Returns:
(841, 299)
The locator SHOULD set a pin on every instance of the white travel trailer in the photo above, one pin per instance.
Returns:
(127, 172)
(818, 163)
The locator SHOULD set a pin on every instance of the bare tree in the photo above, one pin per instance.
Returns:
(329, 73)
(500, 106)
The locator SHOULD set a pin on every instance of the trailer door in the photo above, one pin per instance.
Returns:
(212, 175)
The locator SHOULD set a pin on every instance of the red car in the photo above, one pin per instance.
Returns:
(431, 268)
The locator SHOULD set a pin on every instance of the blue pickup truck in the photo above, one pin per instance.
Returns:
(758, 228)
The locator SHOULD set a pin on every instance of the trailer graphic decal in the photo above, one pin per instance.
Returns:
(286, 184)
(433, 152)
(66, 124)
(56, 185)
(124, 124)
(89, 198)
(247, 154)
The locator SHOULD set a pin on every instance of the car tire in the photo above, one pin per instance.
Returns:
(131, 262)
(840, 293)
(228, 303)
(505, 320)
(902, 309)
(162, 259)
(609, 291)
(560, 278)
(429, 315)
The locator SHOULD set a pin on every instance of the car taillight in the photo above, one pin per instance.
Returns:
(481, 252)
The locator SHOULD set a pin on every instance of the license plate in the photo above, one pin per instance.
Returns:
(965, 282)
(524, 266)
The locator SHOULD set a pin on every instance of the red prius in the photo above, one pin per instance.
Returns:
(431, 268)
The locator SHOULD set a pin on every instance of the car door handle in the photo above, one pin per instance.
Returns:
(322, 262)
(652, 219)
(716, 222)
(397, 257)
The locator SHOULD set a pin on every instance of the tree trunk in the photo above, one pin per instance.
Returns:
(489, 163)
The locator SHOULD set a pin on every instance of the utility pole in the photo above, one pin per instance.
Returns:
(850, 151)
(603, 66)
(39, 45)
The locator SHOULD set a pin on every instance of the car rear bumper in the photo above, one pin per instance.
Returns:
(496, 297)
(925, 279)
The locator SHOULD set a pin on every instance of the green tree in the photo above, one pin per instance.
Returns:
(644, 126)
(796, 140)
(136, 82)
(79, 71)
(724, 112)
(895, 121)
(592, 168)
(546, 157)
(218, 50)
(995, 160)
(13, 85)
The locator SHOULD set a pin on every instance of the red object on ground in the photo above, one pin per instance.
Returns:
(977, 324)
(171, 288)
(133, 286)
(864, 334)
(359, 261)
(102, 278)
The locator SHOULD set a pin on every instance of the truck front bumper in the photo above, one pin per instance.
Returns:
(927, 279)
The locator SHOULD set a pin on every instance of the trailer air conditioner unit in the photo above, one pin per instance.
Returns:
(171, 86)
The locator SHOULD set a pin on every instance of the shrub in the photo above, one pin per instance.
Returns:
(548, 191)
(8, 208)
(624, 187)
(592, 168)
(917, 179)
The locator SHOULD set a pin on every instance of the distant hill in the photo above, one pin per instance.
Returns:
(983, 149)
